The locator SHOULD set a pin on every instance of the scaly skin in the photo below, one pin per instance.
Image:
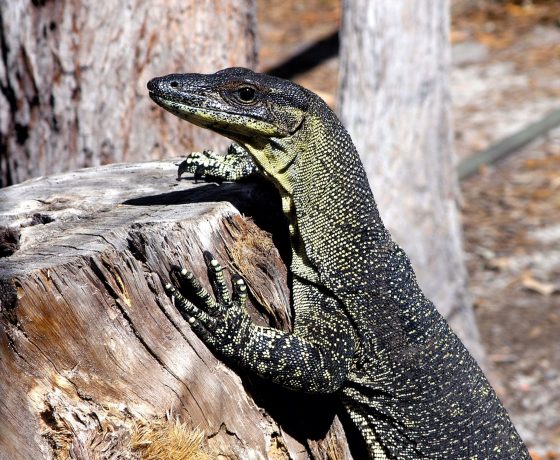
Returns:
(362, 328)
(235, 165)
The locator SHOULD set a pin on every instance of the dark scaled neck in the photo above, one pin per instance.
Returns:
(336, 213)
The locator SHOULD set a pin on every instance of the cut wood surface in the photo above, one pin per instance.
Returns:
(89, 343)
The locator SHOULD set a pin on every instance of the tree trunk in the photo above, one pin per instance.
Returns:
(73, 76)
(92, 350)
(394, 99)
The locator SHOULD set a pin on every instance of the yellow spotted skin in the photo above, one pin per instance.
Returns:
(362, 327)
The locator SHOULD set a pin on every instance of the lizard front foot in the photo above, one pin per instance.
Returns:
(221, 322)
(311, 361)
(235, 165)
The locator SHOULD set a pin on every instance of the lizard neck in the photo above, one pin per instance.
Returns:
(334, 221)
(278, 160)
(336, 211)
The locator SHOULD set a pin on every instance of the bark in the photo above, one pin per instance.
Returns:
(73, 77)
(89, 343)
(394, 99)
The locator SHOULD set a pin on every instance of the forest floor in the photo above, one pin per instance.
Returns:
(505, 75)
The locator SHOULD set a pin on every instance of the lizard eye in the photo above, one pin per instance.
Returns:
(246, 94)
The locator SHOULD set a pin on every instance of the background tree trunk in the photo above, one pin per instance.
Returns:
(394, 99)
(90, 346)
(73, 77)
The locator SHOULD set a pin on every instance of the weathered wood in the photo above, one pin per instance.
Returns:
(73, 78)
(394, 100)
(89, 342)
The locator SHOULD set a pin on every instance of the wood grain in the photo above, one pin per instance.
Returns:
(89, 339)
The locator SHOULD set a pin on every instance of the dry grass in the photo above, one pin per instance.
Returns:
(121, 435)
(167, 439)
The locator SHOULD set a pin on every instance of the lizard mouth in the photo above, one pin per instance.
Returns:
(206, 109)
(179, 104)
(231, 107)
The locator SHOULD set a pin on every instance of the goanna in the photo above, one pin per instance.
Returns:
(362, 328)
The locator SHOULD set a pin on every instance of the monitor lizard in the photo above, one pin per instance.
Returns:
(363, 329)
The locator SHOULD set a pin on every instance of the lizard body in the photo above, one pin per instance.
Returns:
(362, 326)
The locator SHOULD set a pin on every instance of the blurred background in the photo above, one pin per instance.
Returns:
(432, 93)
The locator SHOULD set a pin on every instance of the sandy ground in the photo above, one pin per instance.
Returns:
(505, 75)
(511, 217)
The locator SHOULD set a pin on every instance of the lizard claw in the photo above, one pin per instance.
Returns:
(200, 164)
(209, 165)
(220, 320)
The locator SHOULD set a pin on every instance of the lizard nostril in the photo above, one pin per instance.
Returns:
(174, 84)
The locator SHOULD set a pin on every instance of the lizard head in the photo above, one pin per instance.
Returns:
(245, 106)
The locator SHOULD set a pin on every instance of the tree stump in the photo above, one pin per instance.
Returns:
(91, 348)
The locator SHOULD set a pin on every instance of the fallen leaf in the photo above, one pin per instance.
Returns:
(499, 263)
(532, 284)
